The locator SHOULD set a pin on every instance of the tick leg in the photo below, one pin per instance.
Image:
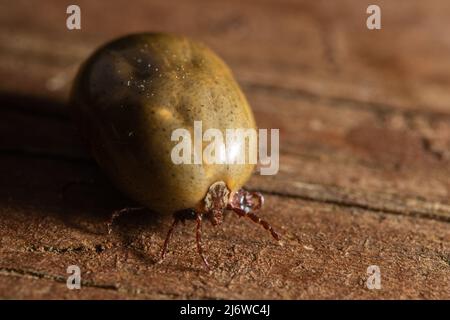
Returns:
(169, 235)
(179, 216)
(258, 220)
(199, 240)
(116, 214)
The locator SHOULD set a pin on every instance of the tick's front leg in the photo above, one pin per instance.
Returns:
(245, 203)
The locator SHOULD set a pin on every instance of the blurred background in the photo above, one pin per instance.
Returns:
(364, 119)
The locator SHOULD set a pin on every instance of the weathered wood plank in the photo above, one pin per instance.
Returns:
(320, 47)
(364, 119)
(326, 252)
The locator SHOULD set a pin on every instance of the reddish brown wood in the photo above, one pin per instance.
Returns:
(364, 119)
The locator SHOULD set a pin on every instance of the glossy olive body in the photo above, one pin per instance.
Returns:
(132, 93)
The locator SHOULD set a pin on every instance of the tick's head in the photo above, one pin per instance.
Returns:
(216, 201)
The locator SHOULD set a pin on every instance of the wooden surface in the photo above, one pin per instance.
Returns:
(364, 118)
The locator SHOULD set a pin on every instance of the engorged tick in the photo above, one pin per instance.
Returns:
(133, 145)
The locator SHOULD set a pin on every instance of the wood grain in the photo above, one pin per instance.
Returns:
(364, 119)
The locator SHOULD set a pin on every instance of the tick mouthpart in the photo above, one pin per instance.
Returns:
(216, 217)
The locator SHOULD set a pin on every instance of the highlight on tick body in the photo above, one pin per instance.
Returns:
(239, 146)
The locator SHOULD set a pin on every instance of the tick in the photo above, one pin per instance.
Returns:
(127, 99)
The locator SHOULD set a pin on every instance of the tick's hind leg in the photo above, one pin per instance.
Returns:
(116, 214)
(166, 242)
(199, 240)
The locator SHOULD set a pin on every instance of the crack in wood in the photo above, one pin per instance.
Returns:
(39, 275)
(98, 248)
(315, 192)
(375, 202)
(378, 108)
(32, 274)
